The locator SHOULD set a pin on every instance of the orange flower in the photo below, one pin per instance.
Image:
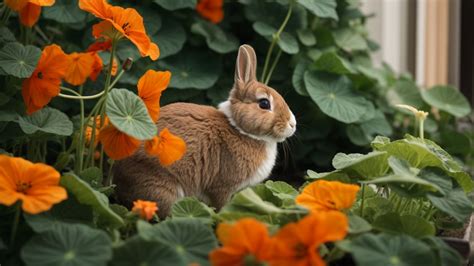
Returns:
(29, 10)
(80, 68)
(297, 243)
(211, 10)
(35, 185)
(327, 195)
(167, 147)
(117, 144)
(150, 87)
(89, 131)
(96, 67)
(43, 85)
(247, 238)
(145, 209)
(120, 22)
(100, 46)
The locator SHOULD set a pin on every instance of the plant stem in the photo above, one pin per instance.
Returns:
(275, 39)
(422, 129)
(77, 96)
(362, 201)
(269, 75)
(81, 142)
(16, 221)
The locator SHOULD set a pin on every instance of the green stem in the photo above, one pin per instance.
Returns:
(422, 129)
(16, 221)
(81, 142)
(275, 39)
(77, 96)
(362, 201)
(119, 75)
(269, 75)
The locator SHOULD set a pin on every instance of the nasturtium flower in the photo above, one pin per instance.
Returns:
(297, 243)
(325, 195)
(36, 185)
(44, 83)
(82, 66)
(29, 10)
(118, 22)
(150, 86)
(167, 147)
(98, 46)
(117, 145)
(145, 209)
(247, 240)
(211, 10)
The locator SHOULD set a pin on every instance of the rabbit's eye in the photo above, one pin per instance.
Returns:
(264, 104)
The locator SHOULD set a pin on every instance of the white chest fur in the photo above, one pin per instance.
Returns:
(264, 170)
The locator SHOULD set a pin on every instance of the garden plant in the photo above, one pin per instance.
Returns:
(81, 85)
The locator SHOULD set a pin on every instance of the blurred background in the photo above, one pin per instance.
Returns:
(431, 39)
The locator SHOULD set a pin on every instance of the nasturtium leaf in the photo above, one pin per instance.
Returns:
(358, 225)
(8, 116)
(138, 251)
(68, 244)
(321, 8)
(288, 43)
(447, 98)
(456, 142)
(93, 176)
(249, 201)
(455, 203)
(192, 69)
(176, 4)
(331, 62)
(217, 39)
(263, 29)
(446, 255)
(18, 60)
(367, 166)
(6, 35)
(86, 195)
(298, 77)
(127, 112)
(192, 208)
(152, 21)
(423, 153)
(377, 125)
(47, 120)
(357, 136)
(349, 40)
(334, 97)
(170, 37)
(405, 91)
(334, 175)
(190, 238)
(411, 225)
(438, 177)
(65, 11)
(281, 190)
(306, 37)
(372, 73)
(384, 249)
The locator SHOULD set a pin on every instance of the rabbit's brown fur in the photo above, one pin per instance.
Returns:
(227, 148)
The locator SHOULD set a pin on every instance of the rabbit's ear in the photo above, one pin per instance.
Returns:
(246, 65)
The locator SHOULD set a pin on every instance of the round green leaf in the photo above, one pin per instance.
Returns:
(447, 98)
(358, 225)
(368, 165)
(455, 203)
(128, 113)
(68, 244)
(65, 11)
(349, 40)
(288, 43)
(170, 37)
(192, 208)
(383, 249)
(331, 62)
(306, 37)
(18, 60)
(412, 225)
(6, 35)
(321, 8)
(176, 4)
(46, 120)
(188, 237)
(192, 69)
(298, 77)
(137, 251)
(218, 40)
(263, 29)
(405, 92)
(334, 97)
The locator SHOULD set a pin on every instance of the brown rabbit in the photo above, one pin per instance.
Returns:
(228, 148)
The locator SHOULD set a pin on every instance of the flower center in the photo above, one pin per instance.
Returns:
(22, 186)
(300, 250)
(40, 75)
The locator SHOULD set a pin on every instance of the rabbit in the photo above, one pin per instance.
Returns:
(228, 148)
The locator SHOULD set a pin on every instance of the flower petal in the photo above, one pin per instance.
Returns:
(117, 145)
(98, 8)
(167, 147)
(16, 5)
(30, 14)
(150, 86)
(81, 67)
(42, 198)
